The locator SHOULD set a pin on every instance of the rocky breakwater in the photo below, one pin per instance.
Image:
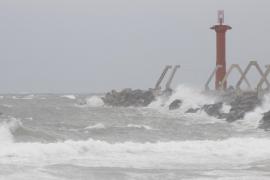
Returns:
(239, 106)
(265, 122)
(129, 97)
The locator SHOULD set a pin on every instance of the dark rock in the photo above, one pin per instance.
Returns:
(241, 105)
(129, 97)
(175, 104)
(191, 110)
(213, 109)
(265, 122)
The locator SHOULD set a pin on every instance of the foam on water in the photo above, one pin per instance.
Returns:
(172, 154)
(69, 96)
(94, 101)
(96, 126)
(7, 127)
(26, 97)
(252, 119)
(191, 97)
(140, 126)
(225, 108)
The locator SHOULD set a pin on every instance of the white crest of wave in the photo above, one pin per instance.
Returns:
(69, 96)
(141, 126)
(192, 98)
(173, 154)
(225, 108)
(6, 129)
(96, 126)
(252, 119)
(94, 101)
(31, 96)
(26, 97)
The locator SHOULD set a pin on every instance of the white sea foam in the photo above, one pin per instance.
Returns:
(5, 133)
(6, 129)
(31, 96)
(191, 97)
(69, 96)
(252, 119)
(96, 126)
(225, 108)
(26, 97)
(94, 101)
(173, 154)
(141, 126)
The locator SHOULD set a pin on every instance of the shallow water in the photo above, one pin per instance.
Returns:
(58, 137)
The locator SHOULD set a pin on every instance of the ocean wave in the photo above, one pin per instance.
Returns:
(252, 119)
(140, 126)
(191, 98)
(69, 96)
(94, 101)
(96, 126)
(173, 154)
(7, 127)
(26, 97)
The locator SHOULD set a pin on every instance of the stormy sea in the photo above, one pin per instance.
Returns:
(77, 137)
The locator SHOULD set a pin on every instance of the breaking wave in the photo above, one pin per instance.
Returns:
(7, 127)
(232, 152)
(140, 126)
(94, 153)
(252, 119)
(191, 97)
(69, 96)
(94, 101)
(27, 97)
(96, 126)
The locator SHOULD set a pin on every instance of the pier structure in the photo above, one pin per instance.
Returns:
(168, 90)
(261, 87)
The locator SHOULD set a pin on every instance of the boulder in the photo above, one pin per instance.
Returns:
(240, 105)
(128, 97)
(175, 104)
(192, 110)
(213, 109)
(265, 122)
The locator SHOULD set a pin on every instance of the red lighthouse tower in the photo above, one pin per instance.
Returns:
(220, 49)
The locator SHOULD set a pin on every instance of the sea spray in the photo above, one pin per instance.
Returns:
(190, 96)
(8, 126)
(94, 101)
(70, 96)
(252, 119)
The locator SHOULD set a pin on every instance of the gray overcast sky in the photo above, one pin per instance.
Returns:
(97, 45)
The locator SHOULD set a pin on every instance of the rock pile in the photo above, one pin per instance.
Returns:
(175, 104)
(129, 97)
(240, 105)
(265, 122)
